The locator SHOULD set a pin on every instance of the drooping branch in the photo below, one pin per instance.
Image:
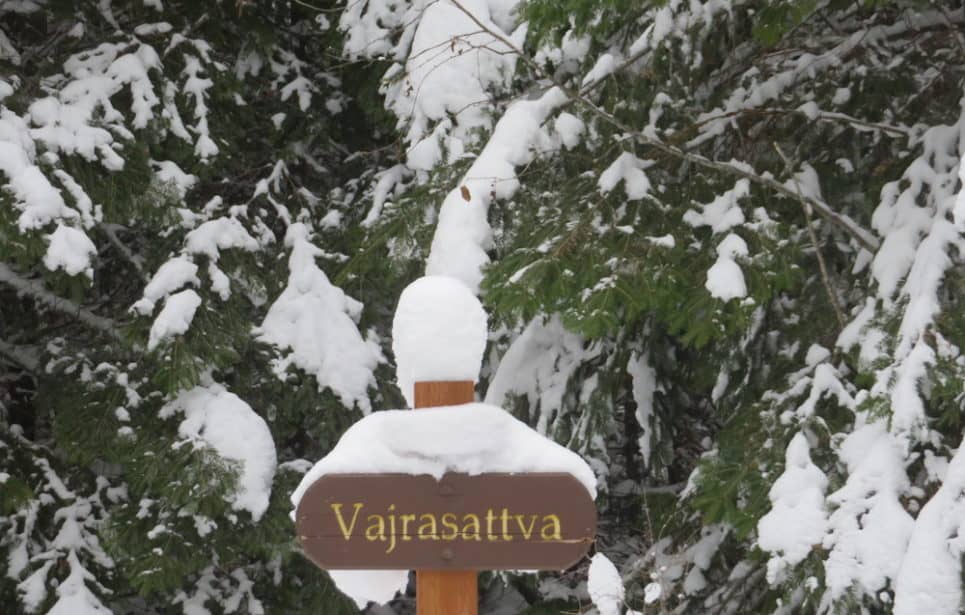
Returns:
(36, 291)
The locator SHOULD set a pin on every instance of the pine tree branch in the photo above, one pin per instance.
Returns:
(825, 116)
(24, 356)
(822, 266)
(36, 291)
(743, 170)
(865, 238)
(124, 250)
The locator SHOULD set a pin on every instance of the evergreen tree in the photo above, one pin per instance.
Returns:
(720, 241)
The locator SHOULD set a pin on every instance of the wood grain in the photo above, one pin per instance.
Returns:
(445, 592)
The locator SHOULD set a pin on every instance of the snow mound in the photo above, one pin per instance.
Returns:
(462, 232)
(628, 169)
(70, 249)
(929, 580)
(217, 418)
(175, 318)
(798, 519)
(725, 280)
(438, 333)
(171, 276)
(869, 530)
(605, 585)
(315, 321)
(470, 438)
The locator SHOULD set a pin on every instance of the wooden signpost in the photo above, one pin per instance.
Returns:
(446, 529)
(484, 522)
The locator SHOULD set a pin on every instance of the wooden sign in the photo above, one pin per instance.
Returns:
(490, 521)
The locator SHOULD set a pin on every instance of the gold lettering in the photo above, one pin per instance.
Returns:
(490, 517)
(527, 531)
(427, 529)
(346, 531)
(405, 526)
(391, 530)
(552, 523)
(470, 520)
(449, 523)
(449, 526)
(376, 529)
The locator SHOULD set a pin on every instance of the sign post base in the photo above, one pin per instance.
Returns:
(445, 592)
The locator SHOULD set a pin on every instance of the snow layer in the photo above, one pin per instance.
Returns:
(170, 276)
(539, 364)
(605, 585)
(723, 213)
(35, 197)
(70, 249)
(175, 318)
(451, 67)
(644, 379)
(870, 529)
(725, 280)
(73, 596)
(628, 169)
(438, 333)
(315, 321)
(797, 520)
(930, 578)
(219, 234)
(463, 233)
(470, 438)
(221, 420)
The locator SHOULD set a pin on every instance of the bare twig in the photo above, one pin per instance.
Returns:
(825, 277)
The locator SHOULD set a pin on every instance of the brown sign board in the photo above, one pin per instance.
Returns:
(539, 521)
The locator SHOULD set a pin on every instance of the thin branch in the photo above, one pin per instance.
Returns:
(825, 277)
(827, 116)
(859, 234)
(125, 251)
(36, 291)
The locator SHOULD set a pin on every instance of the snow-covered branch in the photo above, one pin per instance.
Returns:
(864, 237)
(35, 290)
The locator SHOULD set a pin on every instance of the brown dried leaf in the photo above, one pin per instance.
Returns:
(465, 193)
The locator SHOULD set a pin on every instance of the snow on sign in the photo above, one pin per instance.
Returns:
(452, 488)
(461, 522)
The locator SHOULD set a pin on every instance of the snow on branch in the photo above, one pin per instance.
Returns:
(35, 290)
(864, 237)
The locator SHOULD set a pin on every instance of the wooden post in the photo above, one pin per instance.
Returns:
(445, 592)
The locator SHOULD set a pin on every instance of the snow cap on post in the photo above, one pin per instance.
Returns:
(438, 333)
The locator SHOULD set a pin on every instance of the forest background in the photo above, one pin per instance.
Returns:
(720, 243)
